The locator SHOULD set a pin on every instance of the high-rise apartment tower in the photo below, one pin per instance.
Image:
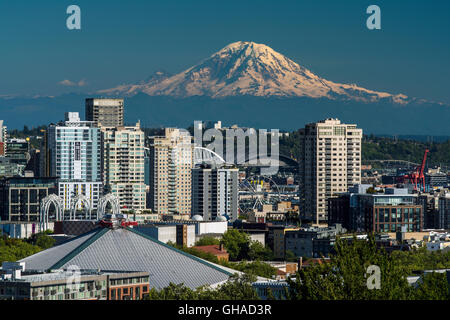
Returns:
(330, 162)
(123, 165)
(73, 154)
(215, 192)
(171, 161)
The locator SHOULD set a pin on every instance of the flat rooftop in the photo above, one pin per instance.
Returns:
(64, 274)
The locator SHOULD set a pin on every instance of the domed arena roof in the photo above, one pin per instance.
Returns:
(99, 249)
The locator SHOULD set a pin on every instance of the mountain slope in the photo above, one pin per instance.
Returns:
(248, 68)
(246, 84)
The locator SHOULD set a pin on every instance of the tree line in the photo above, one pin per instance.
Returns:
(245, 255)
(343, 277)
(383, 148)
(15, 249)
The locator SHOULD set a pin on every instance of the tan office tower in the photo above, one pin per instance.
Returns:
(123, 165)
(105, 112)
(330, 162)
(171, 161)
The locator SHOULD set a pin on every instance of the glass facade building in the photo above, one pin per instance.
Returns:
(385, 213)
(74, 156)
(18, 151)
(74, 150)
(20, 197)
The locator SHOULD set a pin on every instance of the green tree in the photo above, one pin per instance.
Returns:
(433, 286)
(259, 252)
(237, 244)
(173, 292)
(44, 241)
(240, 247)
(422, 259)
(239, 287)
(15, 249)
(345, 275)
(382, 148)
(195, 252)
(172, 244)
(290, 256)
(207, 241)
(204, 255)
(257, 268)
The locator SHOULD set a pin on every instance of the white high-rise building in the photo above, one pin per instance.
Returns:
(3, 132)
(73, 154)
(3, 136)
(123, 165)
(171, 161)
(330, 163)
(215, 192)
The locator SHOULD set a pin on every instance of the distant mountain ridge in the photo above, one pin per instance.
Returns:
(247, 84)
(247, 68)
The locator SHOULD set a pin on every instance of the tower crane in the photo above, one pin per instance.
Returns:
(417, 177)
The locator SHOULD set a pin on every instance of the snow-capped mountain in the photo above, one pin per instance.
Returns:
(132, 89)
(250, 69)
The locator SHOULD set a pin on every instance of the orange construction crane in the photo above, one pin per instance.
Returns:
(417, 178)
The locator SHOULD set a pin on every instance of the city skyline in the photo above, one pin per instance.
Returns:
(239, 150)
(303, 210)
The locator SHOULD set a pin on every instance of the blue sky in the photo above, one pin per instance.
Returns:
(126, 41)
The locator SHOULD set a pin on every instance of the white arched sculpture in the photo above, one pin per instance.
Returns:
(45, 207)
(103, 202)
(84, 201)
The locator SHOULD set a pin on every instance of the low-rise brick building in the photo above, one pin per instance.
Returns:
(217, 250)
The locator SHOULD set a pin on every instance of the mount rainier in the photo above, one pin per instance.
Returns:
(248, 84)
(247, 68)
